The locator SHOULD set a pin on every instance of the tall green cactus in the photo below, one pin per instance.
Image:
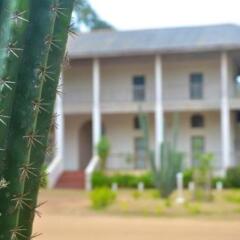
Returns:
(32, 43)
(171, 159)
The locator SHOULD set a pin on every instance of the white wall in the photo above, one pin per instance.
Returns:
(177, 70)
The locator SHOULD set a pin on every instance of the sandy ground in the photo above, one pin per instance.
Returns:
(60, 222)
(119, 228)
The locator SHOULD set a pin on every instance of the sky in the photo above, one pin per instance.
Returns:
(143, 14)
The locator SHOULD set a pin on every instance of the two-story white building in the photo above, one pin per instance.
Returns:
(193, 71)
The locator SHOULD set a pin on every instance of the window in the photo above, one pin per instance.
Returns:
(198, 147)
(196, 86)
(138, 88)
(238, 117)
(197, 121)
(140, 153)
(136, 123)
(237, 85)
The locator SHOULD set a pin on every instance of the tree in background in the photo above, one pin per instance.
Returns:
(86, 17)
(103, 149)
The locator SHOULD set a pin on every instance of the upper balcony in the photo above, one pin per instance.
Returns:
(190, 83)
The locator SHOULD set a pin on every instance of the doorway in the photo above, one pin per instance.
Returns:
(85, 142)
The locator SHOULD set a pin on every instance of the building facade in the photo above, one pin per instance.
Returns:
(189, 72)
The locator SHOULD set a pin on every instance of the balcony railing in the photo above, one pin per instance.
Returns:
(130, 161)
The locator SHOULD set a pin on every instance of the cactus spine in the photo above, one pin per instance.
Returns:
(31, 115)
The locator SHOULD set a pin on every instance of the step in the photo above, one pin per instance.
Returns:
(71, 180)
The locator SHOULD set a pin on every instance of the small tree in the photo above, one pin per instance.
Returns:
(103, 150)
(202, 175)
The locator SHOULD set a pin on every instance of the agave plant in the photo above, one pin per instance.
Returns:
(33, 36)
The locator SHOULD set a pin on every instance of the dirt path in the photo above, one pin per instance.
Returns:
(66, 216)
(119, 228)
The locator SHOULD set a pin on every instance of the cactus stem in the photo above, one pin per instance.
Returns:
(4, 82)
(33, 139)
(21, 201)
(26, 171)
(17, 232)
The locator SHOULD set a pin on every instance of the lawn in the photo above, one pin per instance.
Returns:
(68, 215)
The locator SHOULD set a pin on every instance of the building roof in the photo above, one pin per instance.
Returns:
(166, 40)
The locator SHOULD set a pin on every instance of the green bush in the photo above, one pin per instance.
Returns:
(43, 177)
(100, 179)
(136, 194)
(103, 149)
(233, 177)
(102, 198)
(187, 177)
(233, 197)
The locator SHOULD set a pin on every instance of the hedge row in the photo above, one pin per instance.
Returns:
(99, 179)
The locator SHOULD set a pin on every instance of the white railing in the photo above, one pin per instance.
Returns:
(89, 171)
(54, 170)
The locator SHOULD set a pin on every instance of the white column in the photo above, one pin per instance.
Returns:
(159, 115)
(96, 111)
(225, 113)
(59, 131)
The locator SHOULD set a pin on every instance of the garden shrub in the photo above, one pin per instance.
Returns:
(100, 179)
(103, 150)
(136, 194)
(187, 177)
(233, 197)
(233, 177)
(193, 208)
(102, 198)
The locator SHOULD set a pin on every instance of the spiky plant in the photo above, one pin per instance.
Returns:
(33, 37)
(171, 159)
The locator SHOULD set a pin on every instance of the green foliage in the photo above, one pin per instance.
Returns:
(187, 177)
(33, 36)
(100, 179)
(103, 149)
(86, 15)
(233, 197)
(102, 198)
(193, 208)
(43, 177)
(155, 194)
(136, 194)
(203, 172)
(168, 202)
(233, 177)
